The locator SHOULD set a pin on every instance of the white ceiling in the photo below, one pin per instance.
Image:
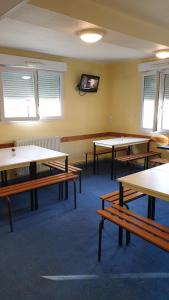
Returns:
(31, 28)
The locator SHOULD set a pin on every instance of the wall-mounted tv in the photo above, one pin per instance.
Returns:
(88, 83)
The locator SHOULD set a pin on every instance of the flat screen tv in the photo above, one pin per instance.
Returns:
(88, 83)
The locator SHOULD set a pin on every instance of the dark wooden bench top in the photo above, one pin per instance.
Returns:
(136, 156)
(159, 160)
(61, 166)
(57, 165)
(114, 197)
(16, 188)
(32, 185)
(145, 228)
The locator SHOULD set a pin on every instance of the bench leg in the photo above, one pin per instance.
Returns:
(74, 183)
(60, 191)
(100, 239)
(120, 236)
(10, 213)
(80, 182)
(66, 190)
(127, 237)
(4, 179)
(32, 200)
(86, 161)
(103, 204)
(36, 198)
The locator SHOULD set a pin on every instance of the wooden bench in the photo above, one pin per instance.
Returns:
(145, 228)
(159, 161)
(57, 165)
(32, 185)
(132, 157)
(113, 198)
(102, 152)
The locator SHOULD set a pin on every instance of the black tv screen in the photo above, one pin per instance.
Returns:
(88, 83)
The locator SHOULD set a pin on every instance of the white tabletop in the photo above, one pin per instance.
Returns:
(153, 182)
(22, 156)
(121, 141)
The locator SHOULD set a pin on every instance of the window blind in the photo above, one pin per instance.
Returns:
(166, 87)
(150, 87)
(15, 86)
(48, 85)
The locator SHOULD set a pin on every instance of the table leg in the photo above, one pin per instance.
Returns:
(94, 158)
(112, 163)
(33, 175)
(121, 204)
(148, 146)
(129, 150)
(151, 208)
(66, 183)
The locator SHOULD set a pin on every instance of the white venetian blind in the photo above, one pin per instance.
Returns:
(149, 98)
(14, 84)
(165, 110)
(49, 94)
(18, 93)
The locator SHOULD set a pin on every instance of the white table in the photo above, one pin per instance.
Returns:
(16, 157)
(27, 155)
(153, 182)
(115, 143)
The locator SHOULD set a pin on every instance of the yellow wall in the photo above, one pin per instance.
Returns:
(125, 103)
(115, 107)
(82, 114)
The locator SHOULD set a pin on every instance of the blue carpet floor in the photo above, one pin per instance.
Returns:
(52, 253)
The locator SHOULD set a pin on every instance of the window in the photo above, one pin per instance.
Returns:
(31, 95)
(49, 94)
(155, 110)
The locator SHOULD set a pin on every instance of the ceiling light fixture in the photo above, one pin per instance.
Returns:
(91, 35)
(26, 77)
(162, 54)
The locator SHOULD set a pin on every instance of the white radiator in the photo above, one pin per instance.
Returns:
(49, 142)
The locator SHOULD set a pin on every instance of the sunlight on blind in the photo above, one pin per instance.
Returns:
(49, 94)
(149, 101)
(18, 92)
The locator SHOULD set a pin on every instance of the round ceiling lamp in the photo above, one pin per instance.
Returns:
(91, 35)
(26, 77)
(162, 54)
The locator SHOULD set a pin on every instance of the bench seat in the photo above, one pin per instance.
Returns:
(159, 161)
(145, 228)
(57, 165)
(32, 185)
(131, 157)
(143, 155)
(103, 151)
(114, 197)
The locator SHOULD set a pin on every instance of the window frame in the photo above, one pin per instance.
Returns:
(157, 123)
(61, 96)
(161, 98)
(36, 95)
